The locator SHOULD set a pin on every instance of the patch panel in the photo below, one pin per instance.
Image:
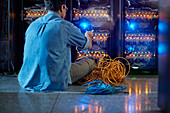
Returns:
(91, 14)
(141, 37)
(95, 54)
(35, 13)
(141, 14)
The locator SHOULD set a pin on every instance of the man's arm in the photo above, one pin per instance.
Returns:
(76, 38)
(89, 35)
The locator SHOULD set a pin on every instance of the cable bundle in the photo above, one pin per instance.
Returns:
(109, 70)
(102, 88)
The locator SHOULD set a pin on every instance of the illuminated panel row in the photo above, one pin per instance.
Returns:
(141, 37)
(100, 37)
(141, 55)
(92, 54)
(35, 14)
(91, 13)
(142, 34)
(138, 53)
(141, 15)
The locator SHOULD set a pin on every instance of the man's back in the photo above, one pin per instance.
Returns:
(47, 55)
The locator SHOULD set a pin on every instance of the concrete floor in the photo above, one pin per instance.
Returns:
(142, 98)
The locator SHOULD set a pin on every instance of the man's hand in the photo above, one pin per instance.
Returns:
(89, 35)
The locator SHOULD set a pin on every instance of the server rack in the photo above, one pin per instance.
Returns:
(140, 34)
(102, 16)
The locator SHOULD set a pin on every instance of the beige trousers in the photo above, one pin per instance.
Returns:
(81, 68)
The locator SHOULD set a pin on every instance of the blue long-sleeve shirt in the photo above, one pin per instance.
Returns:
(47, 53)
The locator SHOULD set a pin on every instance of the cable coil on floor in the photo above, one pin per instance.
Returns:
(109, 70)
(102, 88)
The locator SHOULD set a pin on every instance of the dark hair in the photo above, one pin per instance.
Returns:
(54, 5)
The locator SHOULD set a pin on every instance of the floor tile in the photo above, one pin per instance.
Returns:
(27, 102)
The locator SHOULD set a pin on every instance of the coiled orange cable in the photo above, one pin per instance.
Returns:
(110, 70)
